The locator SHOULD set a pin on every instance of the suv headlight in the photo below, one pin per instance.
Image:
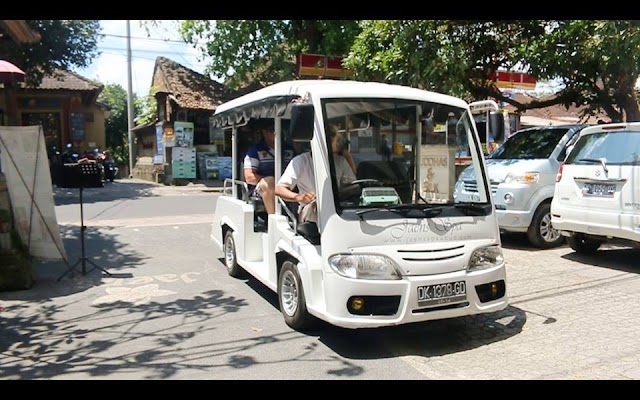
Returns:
(528, 177)
(364, 266)
(486, 257)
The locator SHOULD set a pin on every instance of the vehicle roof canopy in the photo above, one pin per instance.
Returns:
(272, 101)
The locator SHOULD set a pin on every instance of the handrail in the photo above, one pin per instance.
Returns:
(289, 213)
(227, 188)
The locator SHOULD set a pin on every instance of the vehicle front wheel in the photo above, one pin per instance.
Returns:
(230, 260)
(541, 234)
(291, 298)
(583, 244)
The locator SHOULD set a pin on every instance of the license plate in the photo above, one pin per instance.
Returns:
(599, 189)
(442, 293)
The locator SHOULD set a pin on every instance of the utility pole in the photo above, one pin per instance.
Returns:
(129, 99)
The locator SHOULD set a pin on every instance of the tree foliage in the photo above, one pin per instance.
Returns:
(244, 51)
(454, 57)
(597, 61)
(117, 124)
(64, 44)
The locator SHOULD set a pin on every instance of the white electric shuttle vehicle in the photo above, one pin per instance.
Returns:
(391, 247)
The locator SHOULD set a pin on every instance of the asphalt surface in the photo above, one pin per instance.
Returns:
(168, 310)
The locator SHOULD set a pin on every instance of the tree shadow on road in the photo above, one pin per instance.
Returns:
(111, 191)
(57, 278)
(107, 340)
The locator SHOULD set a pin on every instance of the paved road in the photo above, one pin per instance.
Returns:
(170, 311)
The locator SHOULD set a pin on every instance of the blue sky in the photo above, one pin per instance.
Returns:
(111, 66)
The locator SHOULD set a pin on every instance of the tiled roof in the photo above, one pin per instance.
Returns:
(66, 80)
(190, 89)
(556, 112)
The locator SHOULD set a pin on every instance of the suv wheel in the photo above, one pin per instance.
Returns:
(541, 234)
(583, 244)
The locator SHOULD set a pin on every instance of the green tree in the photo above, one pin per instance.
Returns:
(244, 51)
(117, 124)
(597, 61)
(146, 108)
(454, 57)
(64, 44)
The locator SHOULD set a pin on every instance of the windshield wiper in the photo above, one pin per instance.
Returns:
(403, 210)
(470, 208)
(602, 161)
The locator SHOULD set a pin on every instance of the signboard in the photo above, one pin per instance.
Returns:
(183, 133)
(24, 162)
(321, 65)
(513, 80)
(159, 142)
(437, 172)
(77, 126)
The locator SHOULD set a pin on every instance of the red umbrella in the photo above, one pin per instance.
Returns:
(9, 73)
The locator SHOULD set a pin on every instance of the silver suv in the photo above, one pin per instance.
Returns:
(523, 173)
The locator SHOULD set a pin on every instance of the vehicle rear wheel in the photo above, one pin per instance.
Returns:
(583, 244)
(541, 234)
(230, 260)
(291, 298)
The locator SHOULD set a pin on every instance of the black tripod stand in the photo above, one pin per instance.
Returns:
(82, 176)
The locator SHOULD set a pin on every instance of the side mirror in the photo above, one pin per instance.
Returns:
(301, 127)
(496, 126)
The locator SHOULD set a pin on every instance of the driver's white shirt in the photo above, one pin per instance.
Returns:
(299, 172)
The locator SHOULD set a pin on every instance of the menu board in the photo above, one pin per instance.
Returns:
(77, 126)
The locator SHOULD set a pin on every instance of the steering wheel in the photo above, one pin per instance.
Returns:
(367, 182)
(352, 190)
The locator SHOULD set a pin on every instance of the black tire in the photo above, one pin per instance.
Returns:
(230, 259)
(540, 233)
(582, 244)
(291, 298)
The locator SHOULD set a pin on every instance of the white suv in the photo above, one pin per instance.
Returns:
(523, 176)
(597, 195)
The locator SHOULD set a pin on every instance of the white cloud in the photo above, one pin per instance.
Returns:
(111, 66)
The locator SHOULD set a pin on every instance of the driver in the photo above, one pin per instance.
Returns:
(299, 173)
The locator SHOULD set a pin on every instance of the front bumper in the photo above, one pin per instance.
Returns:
(404, 293)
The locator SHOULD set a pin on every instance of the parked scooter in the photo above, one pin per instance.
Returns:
(69, 155)
(110, 170)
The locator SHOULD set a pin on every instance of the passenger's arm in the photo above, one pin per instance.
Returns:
(347, 156)
(287, 194)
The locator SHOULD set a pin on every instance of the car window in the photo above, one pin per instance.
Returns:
(568, 146)
(616, 148)
(531, 143)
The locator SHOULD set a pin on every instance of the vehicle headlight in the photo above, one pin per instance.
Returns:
(364, 266)
(486, 257)
(528, 177)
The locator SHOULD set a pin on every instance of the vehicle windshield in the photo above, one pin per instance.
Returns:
(530, 144)
(404, 154)
(614, 148)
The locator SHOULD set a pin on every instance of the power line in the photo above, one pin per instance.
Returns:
(179, 55)
(147, 38)
(200, 64)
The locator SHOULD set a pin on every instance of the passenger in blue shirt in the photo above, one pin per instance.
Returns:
(259, 166)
